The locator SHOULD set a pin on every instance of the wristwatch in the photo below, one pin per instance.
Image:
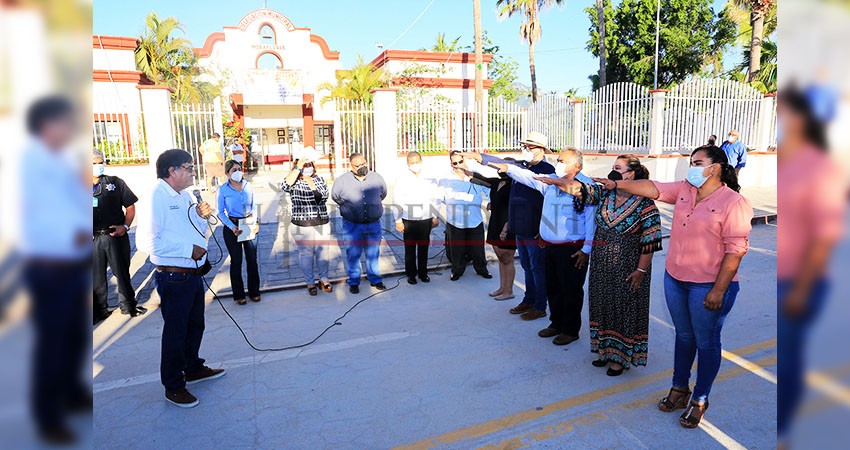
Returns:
(126, 228)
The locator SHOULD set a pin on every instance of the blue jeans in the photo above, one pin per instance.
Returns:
(532, 258)
(791, 338)
(312, 251)
(360, 237)
(697, 331)
(182, 307)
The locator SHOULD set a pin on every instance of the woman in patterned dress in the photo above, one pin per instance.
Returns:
(628, 232)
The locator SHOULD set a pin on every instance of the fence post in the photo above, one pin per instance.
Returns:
(386, 129)
(765, 123)
(337, 165)
(578, 124)
(156, 110)
(219, 128)
(656, 123)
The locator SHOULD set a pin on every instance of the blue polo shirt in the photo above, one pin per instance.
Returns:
(525, 205)
(736, 153)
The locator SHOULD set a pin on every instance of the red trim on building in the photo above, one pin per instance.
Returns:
(123, 121)
(153, 86)
(652, 91)
(120, 76)
(773, 94)
(451, 83)
(424, 56)
(323, 44)
(206, 50)
(114, 42)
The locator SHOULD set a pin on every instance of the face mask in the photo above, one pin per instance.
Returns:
(695, 176)
(236, 176)
(525, 155)
(97, 169)
(307, 171)
(560, 169)
(615, 176)
(732, 138)
(415, 168)
(362, 171)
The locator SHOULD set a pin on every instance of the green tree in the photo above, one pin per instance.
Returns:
(441, 45)
(762, 22)
(529, 30)
(501, 70)
(766, 78)
(691, 36)
(355, 83)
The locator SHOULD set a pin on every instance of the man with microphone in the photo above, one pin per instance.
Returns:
(173, 233)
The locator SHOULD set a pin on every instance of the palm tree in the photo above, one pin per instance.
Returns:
(759, 11)
(600, 14)
(158, 52)
(765, 79)
(355, 83)
(443, 46)
(530, 30)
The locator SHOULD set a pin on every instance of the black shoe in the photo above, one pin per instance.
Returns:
(599, 363)
(486, 276)
(136, 311)
(411, 280)
(455, 277)
(59, 435)
(99, 317)
(181, 398)
(380, 286)
(354, 289)
(614, 372)
(425, 279)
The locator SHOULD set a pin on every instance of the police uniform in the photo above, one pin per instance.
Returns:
(109, 198)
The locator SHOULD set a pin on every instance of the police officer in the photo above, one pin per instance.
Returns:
(113, 204)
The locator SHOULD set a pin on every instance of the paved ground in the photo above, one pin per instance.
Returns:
(437, 365)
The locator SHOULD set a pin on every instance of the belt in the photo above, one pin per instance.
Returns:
(544, 244)
(173, 269)
(104, 231)
(235, 219)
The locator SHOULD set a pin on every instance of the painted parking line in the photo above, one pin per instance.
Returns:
(829, 387)
(568, 426)
(261, 359)
(512, 420)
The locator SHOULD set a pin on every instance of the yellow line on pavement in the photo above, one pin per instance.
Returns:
(502, 423)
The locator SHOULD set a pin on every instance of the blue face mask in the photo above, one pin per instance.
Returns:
(695, 176)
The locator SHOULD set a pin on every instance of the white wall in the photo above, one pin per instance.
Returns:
(110, 97)
(436, 69)
(113, 59)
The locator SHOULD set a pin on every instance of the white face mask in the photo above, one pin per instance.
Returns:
(526, 155)
(415, 168)
(97, 169)
(307, 172)
(732, 138)
(236, 176)
(561, 169)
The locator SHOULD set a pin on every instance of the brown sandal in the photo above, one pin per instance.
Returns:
(693, 415)
(241, 301)
(327, 287)
(675, 399)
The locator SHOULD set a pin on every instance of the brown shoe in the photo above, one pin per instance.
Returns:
(181, 398)
(564, 339)
(532, 315)
(521, 308)
(548, 332)
(204, 374)
(256, 299)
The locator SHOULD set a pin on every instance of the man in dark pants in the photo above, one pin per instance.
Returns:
(173, 233)
(414, 195)
(464, 218)
(55, 244)
(110, 199)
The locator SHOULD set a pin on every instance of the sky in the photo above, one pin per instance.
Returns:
(355, 27)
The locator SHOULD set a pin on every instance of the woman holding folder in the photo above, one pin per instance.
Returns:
(237, 212)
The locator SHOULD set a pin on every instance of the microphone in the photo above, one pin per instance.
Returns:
(197, 194)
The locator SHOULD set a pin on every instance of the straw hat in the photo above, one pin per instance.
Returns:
(537, 139)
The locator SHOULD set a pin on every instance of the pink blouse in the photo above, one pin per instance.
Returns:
(812, 198)
(702, 233)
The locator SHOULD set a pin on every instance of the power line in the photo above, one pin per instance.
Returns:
(411, 25)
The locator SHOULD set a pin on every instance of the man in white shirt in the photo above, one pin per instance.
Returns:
(212, 153)
(173, 233)
(417, 216)
(238, 152)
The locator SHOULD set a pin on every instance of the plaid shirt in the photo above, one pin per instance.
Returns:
(308, 206)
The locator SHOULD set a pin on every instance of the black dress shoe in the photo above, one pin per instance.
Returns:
(137, 311)
(425, 279)
(455, 277)
(354, 289)
(100, 317)
(486, 276)
(599, 363)
(379, 286)
(411, 280)
(614, 372)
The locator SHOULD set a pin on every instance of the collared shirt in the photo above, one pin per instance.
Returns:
(235, 203)
(109, 198)
(413, 197)
(238, 152)
(462, 200)
(360, 201)
(53, 204)
(165, 232)
(309, 207)
(526, 204)
(702, 233)
(736, 153)
(213, 151)
(560, 222)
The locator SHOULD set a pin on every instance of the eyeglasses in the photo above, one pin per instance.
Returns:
(457, 163)
(189, 168)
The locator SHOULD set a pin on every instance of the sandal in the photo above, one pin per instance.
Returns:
(675, 399)
(599, 363)
(313, 290)
(693, 415)
(241, 301)
(327, 287)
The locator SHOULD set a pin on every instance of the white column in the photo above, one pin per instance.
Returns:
(219, 127)
(578, 124)
(656, 124)
(156, 107)
(386, 130)
(765, 123)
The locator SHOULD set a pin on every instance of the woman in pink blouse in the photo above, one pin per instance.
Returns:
(709, 236)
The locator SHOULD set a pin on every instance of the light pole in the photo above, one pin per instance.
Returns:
(657, 28)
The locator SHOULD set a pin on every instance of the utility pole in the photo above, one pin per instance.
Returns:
(479, 77)
(600, 16)
(657, 34)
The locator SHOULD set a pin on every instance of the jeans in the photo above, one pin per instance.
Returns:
(360, 237)
(417, 237)
(532, 259)
(182, 306)
(114, 252)
(235, 248)
(62, 339)
(791, 335)
(312, 251)
(565, 288)
(697, 331)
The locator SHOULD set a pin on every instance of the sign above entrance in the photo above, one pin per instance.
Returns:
(271, 87)
(262, 14)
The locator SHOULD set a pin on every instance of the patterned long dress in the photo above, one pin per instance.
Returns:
(619, 318)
